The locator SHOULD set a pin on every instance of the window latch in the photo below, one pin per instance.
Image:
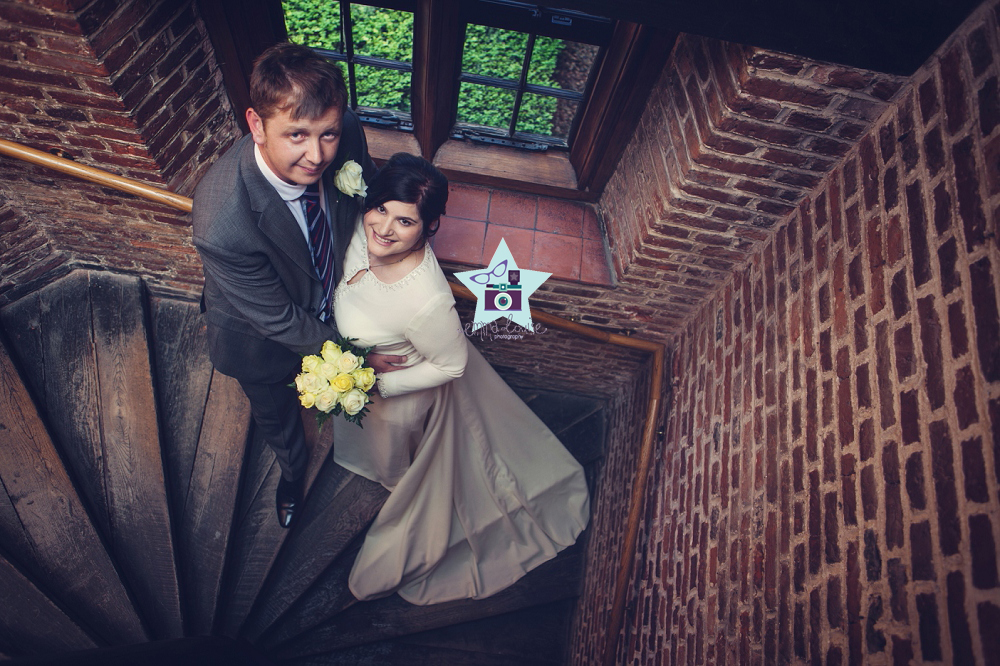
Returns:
(479, 137)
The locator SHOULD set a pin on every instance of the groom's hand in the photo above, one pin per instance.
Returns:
(381, 363)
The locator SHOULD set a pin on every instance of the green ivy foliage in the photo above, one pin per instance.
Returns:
(387, 33)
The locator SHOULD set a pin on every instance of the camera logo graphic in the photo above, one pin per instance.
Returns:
(504, 296)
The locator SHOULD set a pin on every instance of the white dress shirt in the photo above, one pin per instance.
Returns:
(289, 194)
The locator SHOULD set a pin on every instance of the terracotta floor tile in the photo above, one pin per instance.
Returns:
(591, 227)
(560, 217)
(460, 240)
(470, 203)
(559, 255)
(519, 241)
(512, 209)
(594, 267)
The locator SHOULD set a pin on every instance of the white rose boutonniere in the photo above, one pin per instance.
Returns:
(349, 180)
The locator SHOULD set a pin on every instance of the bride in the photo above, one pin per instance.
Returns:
(481, 490)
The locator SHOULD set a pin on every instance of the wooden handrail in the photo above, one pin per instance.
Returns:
(182, 203)
(94, 175)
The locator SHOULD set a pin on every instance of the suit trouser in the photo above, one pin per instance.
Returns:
(276, 412)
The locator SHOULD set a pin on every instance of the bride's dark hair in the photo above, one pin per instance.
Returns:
(413, 180)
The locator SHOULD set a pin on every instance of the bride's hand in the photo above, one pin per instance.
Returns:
(381, 363)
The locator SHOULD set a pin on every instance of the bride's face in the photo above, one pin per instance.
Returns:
(392, 230)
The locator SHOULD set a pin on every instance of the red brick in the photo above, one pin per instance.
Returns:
(942, 465)
(30, 17)
(909, 415)
(928, 99)
(38, 76)
(986, 318)
(953, 86)
(984, 553)
(897, 294)
(989, 631)
(969, 201)
(978, 48)
(961, 637)
(965, 398)
(989, 106)
(906, 363)
(921, 551)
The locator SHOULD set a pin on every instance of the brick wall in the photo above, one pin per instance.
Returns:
(732, 138)
(609, 512)
(129, 87)
(827, 491)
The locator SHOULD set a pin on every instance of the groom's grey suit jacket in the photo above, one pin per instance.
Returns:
(261, 290)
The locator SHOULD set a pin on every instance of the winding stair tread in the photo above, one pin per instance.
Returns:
(102, 373)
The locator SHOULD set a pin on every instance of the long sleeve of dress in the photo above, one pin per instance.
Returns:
(436, 333)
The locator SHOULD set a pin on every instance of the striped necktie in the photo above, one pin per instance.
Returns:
(320, 243)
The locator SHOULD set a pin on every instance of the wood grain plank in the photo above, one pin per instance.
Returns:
(183, 374)
(397, 653)
(206, 524)
(392, 617)
(537, 633)
(259, 538)
(59, 544)
(341, 505)
(53, 327)
(328, 596)
(133, 467)
(30, 623)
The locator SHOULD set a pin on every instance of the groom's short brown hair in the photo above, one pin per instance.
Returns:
(294, 77)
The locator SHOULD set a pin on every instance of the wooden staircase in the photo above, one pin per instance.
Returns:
(136, 505)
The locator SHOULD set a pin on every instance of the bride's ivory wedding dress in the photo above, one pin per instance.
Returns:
(481, 490)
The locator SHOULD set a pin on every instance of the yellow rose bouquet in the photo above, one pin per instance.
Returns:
(336, 381)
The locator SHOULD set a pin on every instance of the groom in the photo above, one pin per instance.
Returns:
(272, 245)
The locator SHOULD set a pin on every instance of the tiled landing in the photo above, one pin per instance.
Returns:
(543, 234)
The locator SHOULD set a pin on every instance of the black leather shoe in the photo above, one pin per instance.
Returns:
(288, 501)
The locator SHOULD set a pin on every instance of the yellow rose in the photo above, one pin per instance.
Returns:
(331, 351)
(327, 400)
(349, 179)
(364, 378)
(307, 400)
(353, 401)
(309, 363)
(310, 382)
(348, 362)
(327, 370)
(342, 382)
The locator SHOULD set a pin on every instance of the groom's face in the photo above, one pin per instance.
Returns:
(297, 150)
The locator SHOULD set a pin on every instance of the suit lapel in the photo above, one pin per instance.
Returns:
(275, 220)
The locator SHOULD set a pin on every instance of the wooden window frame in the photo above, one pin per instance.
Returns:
(616, 96)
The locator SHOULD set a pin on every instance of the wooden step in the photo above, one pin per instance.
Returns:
(86, 336)
(529, 637)
(30, 622)
(325, 598)
(392, 617)
(205, 523)
(340, 506)
(183, 374)
(203, 651)
(44, 525)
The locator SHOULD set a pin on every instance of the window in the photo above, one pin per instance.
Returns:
(417, 107)
(375, 44)
(523, 75)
